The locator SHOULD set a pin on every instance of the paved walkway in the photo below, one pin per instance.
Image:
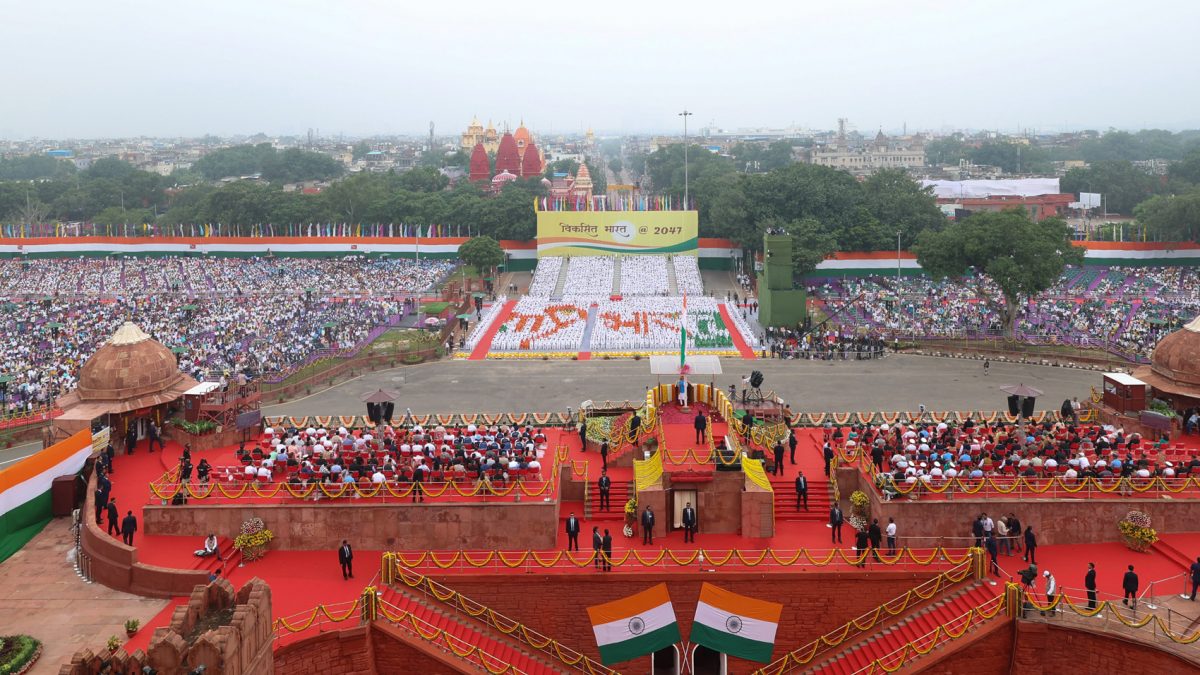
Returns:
(40, 595)
(898, 382)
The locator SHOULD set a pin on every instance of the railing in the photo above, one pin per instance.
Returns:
(319, 617)
(14, 419)
(443, 640)
(216, 491)
(1161, 625)
(950, 630)
(394, 571)
(530, 561)
(896, 606)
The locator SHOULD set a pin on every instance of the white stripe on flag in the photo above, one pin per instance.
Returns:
(618, 631)
(751, 629)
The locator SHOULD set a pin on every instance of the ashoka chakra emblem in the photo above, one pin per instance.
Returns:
(636, 625)
(734, 624)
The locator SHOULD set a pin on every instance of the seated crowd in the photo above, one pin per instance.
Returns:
(417, 455)
(933, 453)
(1122, 308)
(47, 338)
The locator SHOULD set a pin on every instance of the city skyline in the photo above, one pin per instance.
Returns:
(369, 69)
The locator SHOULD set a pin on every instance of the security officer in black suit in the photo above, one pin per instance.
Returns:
(689, 523)
(572, 533)
(605, 485)
(647, 526)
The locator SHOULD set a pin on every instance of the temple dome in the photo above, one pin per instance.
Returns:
(523, 137)
(531, 161)
(131, 364)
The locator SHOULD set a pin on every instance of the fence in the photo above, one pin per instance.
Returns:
(393, 571)
(865, 623)
(665, 559)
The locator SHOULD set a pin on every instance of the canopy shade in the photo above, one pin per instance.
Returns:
(380, 396)
(1021, 390)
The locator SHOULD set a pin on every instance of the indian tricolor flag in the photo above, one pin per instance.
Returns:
(635, 626)
(735, 625)
(25, 504)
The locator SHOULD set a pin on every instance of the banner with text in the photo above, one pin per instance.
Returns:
(566, 233)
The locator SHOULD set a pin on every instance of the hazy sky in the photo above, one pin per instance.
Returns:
(82, 68)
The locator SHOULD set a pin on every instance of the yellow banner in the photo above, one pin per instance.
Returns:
(567, 233)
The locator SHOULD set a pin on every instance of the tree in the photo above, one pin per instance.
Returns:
(360, 150)
(1188, 169)
(900, 204)
(1022, 257)
(483, 253)
(1171, 217)
(811, 244)
(1012, 157)
(1123, 185)
(946, 151)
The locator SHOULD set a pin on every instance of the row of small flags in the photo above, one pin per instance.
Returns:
(29, 231)
(615, 202)
(725, 622)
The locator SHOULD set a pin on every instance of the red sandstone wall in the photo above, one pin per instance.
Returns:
(396, 653)
(396, 526)
(814, 602)
(1055, 522)
(336, 653)
(1051, 650)
(115, 565)
(982, 652)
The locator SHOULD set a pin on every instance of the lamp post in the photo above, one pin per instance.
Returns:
(685, 114)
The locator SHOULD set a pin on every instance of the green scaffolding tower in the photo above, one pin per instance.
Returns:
(780, 302)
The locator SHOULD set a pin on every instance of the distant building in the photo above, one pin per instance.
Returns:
(882, 153)
(476, 135)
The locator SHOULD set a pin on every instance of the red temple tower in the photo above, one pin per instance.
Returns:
(531, 162)
(508, 157)
(481, 169)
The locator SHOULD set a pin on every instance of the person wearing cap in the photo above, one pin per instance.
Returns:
(1051, 591)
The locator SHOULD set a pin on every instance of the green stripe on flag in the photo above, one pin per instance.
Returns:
(731, 644)
(646, 643)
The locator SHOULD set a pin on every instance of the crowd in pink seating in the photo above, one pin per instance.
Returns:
(406, 455)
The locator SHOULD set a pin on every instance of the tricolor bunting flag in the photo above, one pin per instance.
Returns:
(735, 624)
(634, 626)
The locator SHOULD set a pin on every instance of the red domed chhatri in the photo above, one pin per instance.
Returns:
(507, 157)
(1175, 365)
(480, 166)
(129, 365)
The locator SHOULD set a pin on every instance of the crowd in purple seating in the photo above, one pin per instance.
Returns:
(1126, 309)
(221, 316)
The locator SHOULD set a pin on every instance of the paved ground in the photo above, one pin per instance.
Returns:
(40, 595)
(898, 382)
(16, 453)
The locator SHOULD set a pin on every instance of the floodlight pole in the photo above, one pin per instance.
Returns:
(685, 114)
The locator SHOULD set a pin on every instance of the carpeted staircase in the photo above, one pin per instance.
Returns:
(884, 645)
(463, 631)
(820, 497)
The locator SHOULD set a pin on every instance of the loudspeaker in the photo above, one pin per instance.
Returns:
(1014, 405)
(387, 410)
(373, 412)
(1027, 406)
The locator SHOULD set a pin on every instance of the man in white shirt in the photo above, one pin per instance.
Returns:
(1051, 590)
(891, 536)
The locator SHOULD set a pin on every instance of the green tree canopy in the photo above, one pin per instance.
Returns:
(1123, 185)
(1171, 217)
(1021, 257)
(291, 165)
(35, 167)
(482, 253)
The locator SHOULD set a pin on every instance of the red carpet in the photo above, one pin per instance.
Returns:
(739, 342)
(882, 646)
(485, 343)
(585, 356)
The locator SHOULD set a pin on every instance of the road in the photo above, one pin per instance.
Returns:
(898, 382)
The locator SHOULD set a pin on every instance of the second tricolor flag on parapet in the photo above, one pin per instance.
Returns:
(735, 624)
(635, 626)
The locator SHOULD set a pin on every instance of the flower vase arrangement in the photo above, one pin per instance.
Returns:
(114, 643)
(1136, 531)
(860, 505)
(630, 516)
(253, 540)
(131, 627)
